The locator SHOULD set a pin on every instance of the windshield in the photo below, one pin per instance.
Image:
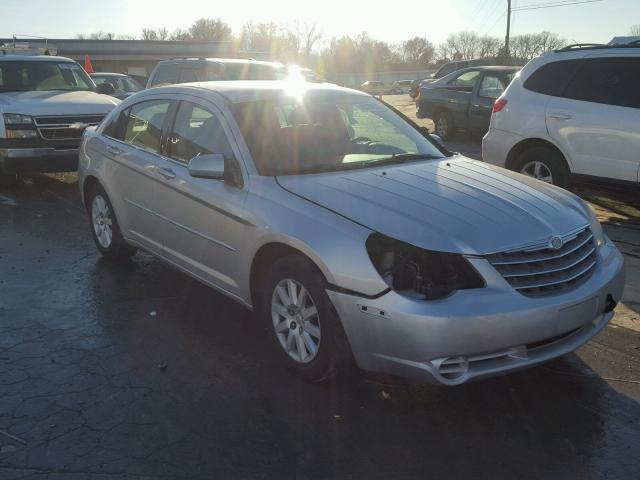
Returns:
(120, 84)
(42, 76)
(328, 133)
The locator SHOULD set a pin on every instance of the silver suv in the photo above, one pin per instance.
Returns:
(348, 230)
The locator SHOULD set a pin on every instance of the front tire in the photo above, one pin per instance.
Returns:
(104, 226)
(304, 326)
(444, 126)
(544, 164)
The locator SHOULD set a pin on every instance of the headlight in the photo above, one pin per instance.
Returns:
(22, 134)
(596, 228)
(420, 273)
(17, 119)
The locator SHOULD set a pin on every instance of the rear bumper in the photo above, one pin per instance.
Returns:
(33, 160)
(478, 333)
(496, 146)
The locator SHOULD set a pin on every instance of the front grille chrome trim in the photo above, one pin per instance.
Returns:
(547, 271)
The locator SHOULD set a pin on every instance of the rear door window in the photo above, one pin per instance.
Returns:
(466, 79)
(612, 81)
(551, 79)
(166, 73)
(143, 124)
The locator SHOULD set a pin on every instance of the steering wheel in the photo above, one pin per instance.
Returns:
(361, 139)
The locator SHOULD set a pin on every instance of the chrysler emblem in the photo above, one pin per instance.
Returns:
(79, 125)
(556, 242)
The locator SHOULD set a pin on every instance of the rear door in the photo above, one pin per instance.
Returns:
(201, 219)
(134, 145)
(487, 90)
(597, 118)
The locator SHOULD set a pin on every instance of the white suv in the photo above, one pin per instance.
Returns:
(571, 113)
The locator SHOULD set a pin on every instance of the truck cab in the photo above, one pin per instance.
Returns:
(46, 103)
(463, 100)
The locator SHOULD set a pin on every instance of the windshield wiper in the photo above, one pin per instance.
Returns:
(404, 157)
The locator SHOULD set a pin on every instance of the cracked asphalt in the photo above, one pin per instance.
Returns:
(135, 371)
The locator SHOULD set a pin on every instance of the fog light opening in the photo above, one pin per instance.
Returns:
(609, 304)
(453, 368)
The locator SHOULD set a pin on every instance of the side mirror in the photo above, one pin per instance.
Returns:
(105, 88)
(438, 139)
(207, 166)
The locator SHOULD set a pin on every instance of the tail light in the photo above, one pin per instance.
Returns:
(499, 105)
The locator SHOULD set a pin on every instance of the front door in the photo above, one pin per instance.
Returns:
(201, 219)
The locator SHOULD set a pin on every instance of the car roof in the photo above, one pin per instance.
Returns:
(250, 90)
(109, 74)
(224, 60)
(33, 58)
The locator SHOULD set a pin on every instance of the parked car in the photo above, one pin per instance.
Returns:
(570, 114)
(348, 230)
(463, 99)
(185, 70)
(400, 87)
(46, 103)
(124, 86)
(374, 87)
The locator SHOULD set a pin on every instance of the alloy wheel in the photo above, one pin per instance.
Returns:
(442, 127)
(538, 170)
(295, 320)
(102, 221)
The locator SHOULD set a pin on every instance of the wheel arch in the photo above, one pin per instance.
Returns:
(530, 143)
(89, 182)
(265, 256)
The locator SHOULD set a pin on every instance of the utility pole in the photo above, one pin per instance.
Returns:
(506, 39)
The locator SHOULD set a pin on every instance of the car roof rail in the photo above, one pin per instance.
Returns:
(579, 46)
(596, 46)
(188, 58)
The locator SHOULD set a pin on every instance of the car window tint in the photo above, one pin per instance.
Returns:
(550, 79)
(612, 81)
(492, 86)
(166, 73)
(197, 131)
(144, 124)
(112, 127)
(467, 79)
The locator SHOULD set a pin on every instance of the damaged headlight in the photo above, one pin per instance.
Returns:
(420, 273)
(594, 224)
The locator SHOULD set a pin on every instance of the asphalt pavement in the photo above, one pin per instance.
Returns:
(135, 371)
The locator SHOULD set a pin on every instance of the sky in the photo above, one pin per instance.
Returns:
(593, 22)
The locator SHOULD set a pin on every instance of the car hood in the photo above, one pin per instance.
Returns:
(453, 205)
(56, 103)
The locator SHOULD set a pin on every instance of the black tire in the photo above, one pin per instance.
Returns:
(550, 158)
(444, 122)
(333, 351)
(117, 248)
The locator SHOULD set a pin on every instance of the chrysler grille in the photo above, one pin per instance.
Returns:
(541, 270)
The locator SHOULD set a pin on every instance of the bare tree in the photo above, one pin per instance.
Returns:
(635, 30)
(99, 35)
(210, 29)
(308, 36)
(163, 33)
(126, 37)
(417, 50)
(180, 34)
(464, 45)
(489, 47)
(149, 34)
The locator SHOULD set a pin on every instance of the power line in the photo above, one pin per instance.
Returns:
(488, 14)
(502, 15)
(552, 5)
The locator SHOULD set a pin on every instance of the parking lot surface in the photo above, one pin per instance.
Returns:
(136, 371)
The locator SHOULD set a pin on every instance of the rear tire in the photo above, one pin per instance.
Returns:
(104, 226)
(544, 164)
(444, 126)
(305, 329)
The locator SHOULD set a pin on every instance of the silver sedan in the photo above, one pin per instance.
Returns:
(348, 230)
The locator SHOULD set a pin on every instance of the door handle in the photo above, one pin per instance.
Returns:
(560, 116)
(475, 105)
(113, 150)
(167, 172)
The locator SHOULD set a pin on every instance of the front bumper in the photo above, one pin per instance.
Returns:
(32, 160)
(478, 333)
